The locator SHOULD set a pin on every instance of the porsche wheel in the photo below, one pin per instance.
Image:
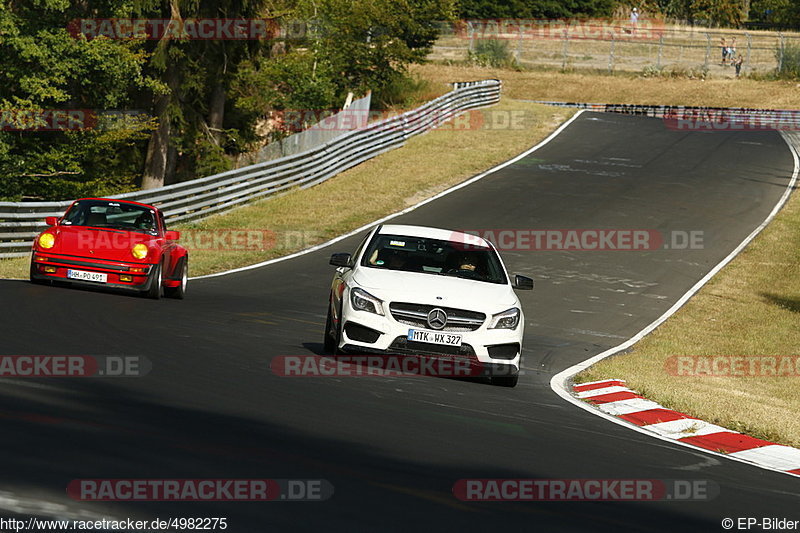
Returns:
(154, 291)
(179, 292)
(36, 280)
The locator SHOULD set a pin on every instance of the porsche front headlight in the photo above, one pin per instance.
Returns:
(139, 251)
(47, 240)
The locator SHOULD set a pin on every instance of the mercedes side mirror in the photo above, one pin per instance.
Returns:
(523, 283)
(341, 260)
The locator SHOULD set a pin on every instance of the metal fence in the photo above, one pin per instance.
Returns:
(700, 118)
(326, 130)
(682, 50)
(195, 199)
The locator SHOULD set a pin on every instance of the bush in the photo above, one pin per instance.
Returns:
(402, 91)
(676, 71)
(492, 53)
(789, 64)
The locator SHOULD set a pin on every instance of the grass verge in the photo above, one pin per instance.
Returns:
(749, 308)
(428, 164)
(624, 88)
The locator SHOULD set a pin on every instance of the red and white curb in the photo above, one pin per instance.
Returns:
(612, 397)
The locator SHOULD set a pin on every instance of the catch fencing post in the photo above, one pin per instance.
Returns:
(611, 54)
(660, 51)
(471, 32)
(708, 51)
(565, 48)
(749, 48)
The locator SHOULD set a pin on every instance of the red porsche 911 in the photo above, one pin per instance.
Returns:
(112, 243)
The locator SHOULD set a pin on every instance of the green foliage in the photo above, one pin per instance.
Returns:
(487, 9)
(678, 71)
(43, 68)
(206, 98)
(402, 91)
(780, 13)
(365, 43)
(492, 53)
(789, 62)
(293, 81)
(728, 13)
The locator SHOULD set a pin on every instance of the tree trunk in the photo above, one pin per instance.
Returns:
(216, 114)
(155, 166)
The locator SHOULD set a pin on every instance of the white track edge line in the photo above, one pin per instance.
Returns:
(559, 382)
(454, 188)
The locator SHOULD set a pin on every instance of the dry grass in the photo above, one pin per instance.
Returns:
(750, 308)
(625, 89)
(16, 268)
(680, 49)
(428, 164)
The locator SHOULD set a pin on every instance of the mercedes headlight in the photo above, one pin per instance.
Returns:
(361, 300)
(505, 320)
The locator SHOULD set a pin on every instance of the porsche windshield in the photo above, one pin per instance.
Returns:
(432, 256)
(112, 215)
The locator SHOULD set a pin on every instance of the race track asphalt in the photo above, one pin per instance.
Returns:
(394, 447)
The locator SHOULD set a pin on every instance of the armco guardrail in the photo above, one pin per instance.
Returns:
(697, 117)
(195, 199)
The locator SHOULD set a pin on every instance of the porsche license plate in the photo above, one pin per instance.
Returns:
(82, 275)
(434, 337)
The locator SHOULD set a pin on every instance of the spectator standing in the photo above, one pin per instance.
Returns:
(737, 63)
(634, 19)
(724, 46)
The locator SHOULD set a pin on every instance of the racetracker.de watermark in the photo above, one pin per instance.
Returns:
(214, 29)
(354, 366)
(200, 490)
(590, 490)
(724, 121)
(55, 120)
(47, 119)
(74, 366)
(737, 366)
(573, 28)
(222, 240)
(297, 120)
(537, 240)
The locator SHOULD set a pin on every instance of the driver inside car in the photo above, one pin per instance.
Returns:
(462, 261)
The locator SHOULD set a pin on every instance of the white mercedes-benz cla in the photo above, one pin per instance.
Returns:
(412, 290)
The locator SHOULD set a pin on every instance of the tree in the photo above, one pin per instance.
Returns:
(42, 67)
(346, 46)
(546, 9)
(366, 43)
(729, 13)
(192, 136)
(784, 13)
